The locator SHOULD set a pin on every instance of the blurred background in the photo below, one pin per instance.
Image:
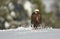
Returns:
(17, 13)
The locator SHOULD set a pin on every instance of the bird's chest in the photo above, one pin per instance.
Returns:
(36, 17)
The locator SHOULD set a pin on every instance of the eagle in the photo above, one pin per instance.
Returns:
(36, 19)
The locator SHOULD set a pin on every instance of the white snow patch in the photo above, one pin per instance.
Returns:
(7, 24)
(30, 29)
(28, 7)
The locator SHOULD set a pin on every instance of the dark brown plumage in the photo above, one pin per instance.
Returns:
(36, 19)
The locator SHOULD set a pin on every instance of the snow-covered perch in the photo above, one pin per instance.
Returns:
(28, 33)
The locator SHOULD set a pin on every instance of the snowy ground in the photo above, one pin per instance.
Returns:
(28, 33)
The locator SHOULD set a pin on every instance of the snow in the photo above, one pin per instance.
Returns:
(6, 24)
(29, 33)
(13, 14)
(11, 6)
(28, 7)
